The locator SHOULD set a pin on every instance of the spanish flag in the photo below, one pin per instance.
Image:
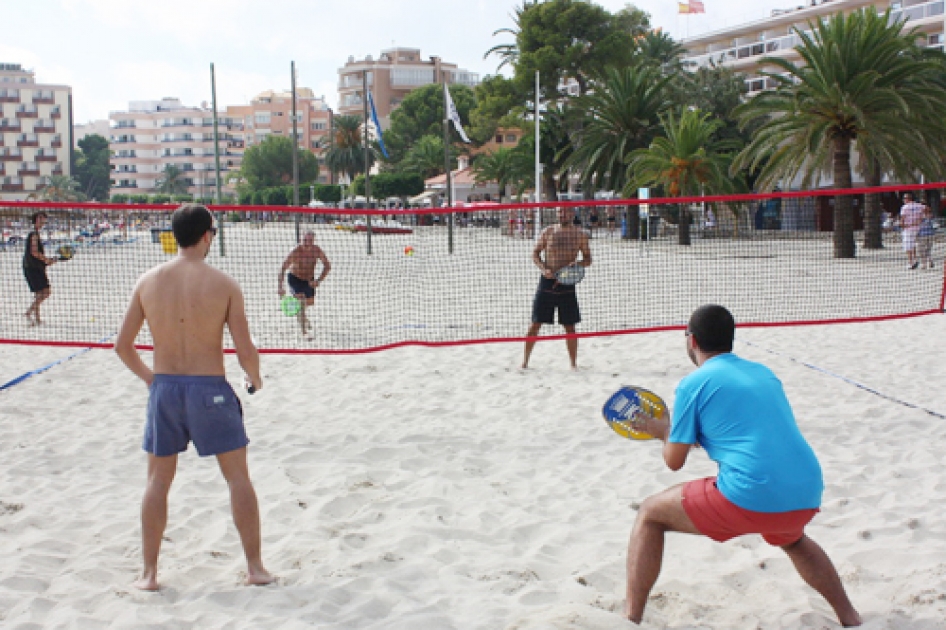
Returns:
(693, 6)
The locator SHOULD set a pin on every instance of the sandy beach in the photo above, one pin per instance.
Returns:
(445, 488)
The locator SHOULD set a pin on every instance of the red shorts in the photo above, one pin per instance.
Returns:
(720, 519)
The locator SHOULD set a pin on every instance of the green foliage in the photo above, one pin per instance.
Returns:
(621, 115)
(328, 193)
(275, 196)
(160, 198)
(568, 39)
(60, 188)
(269, 164)
(499, 103)
(505, 167)
(863, 83)
(172, 181)
(402, 185)
(119, 198)
(92, 168)
(138, 198)
(346, 150)
(426, 157)
(182, 198)
(421, 114)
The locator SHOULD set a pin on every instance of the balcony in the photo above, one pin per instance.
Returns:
(11, 155)
(44, 126)
(44, 97)
(9, 96)
(27, 140)
(9, 126)
(57, 169)
(44, 156)
(27, 111)
(55, 112)
(11, 184)
(56, 142)
(28, 169)
(125, 124)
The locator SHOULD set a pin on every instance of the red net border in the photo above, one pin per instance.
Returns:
(490, 207)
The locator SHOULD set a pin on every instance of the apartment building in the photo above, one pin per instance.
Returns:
(35, 132)
(394, 75)
(154, 134)
(742, 47)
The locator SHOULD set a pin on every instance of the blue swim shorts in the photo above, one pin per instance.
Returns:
(200, 409)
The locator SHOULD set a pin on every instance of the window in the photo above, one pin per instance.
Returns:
(511, 137)
(499, 138)
(262, 118)
(411, 76)
(319, 126)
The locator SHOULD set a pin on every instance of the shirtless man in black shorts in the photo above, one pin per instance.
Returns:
(561, 244)
(301, 266)
(35, 262)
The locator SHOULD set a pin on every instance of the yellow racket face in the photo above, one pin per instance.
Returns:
(650, 403)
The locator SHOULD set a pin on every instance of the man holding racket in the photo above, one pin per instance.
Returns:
(187, 303)
(769, 481)
(301, 263)
(561, 244)
(35, 262)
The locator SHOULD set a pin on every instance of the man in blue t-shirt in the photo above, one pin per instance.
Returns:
(769, 480)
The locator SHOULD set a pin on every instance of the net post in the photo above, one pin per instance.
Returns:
(220, 215)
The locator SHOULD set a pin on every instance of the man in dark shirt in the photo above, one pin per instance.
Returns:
(35, 262)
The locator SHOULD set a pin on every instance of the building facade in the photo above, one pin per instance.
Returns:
(154, 134)
(35, 132)
(93, 127)
(394, 75)
(742, 47)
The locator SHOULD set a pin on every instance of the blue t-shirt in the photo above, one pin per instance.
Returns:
(738, 411)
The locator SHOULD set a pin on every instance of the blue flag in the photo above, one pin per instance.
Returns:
(377, 126)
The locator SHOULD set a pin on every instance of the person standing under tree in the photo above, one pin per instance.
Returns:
(301, 263)
(35, 262)
(561, 244)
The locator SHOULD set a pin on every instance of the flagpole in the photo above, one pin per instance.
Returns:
(538, 164)
(367, 174)
(295, 154)
(446, 163)
(213, 98)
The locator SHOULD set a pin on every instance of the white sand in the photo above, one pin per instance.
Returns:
(429, 489)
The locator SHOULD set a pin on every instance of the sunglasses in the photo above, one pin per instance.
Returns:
(213, 231)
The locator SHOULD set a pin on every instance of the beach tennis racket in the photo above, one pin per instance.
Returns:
(65, 252)
(570, 275)
(290, 305)
(625, 404)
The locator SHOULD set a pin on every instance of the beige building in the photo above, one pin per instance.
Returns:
(93, 127)
(391, 77)
(742, 47)
(35, 132)
(154, 134)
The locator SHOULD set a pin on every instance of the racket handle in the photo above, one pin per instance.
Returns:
(249, 386)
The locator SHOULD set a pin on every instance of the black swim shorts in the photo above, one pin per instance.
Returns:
(300, 286)
(36, 278)
(549, 296)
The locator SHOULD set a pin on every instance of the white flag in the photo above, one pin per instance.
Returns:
(453, 114)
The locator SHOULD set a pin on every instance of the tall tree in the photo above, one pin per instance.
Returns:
(503, 166)
(861, 83)
(425, 157)
(61, 188)
(92, 168)
(346, 152)
(568, 40)
(421, 114)
(684, 161)
(269, 164)
(172, 181)
(621, 115)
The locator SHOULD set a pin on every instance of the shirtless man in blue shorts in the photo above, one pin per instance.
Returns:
(300, 263)
(769, 480)
(187, 303)
(561, 245)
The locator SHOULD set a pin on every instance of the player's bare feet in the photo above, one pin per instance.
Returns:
(259, 577)
(148, 582)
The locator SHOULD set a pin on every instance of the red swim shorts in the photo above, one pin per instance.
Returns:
(720, 519)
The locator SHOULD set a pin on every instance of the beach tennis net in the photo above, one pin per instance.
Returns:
(468, 276)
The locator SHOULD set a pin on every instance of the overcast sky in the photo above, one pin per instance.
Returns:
(115, 51)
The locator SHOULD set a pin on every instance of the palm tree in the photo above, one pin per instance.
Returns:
(503, 166)
(685, 161)
(863, 84)
(509, 53)
(172, 181)
(658, 48)
(425, 157)
(346, 152)
(621, 115)
(60, 188)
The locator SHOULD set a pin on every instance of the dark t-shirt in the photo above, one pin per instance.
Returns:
(29, 260)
